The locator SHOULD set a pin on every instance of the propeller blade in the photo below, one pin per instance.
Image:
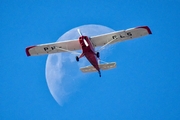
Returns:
(79, 32)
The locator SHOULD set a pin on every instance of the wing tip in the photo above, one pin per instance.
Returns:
(27, 50)
(147, 28)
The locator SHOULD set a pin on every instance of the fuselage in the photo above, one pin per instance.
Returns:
(89, 51)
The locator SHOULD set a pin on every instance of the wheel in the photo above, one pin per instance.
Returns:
(97, 54)
(77, 58)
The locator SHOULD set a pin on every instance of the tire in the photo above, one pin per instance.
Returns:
(77, 58)
(97, 54)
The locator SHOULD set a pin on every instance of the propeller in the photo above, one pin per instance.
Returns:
(101, 48)
(83, 38)
(79, 32)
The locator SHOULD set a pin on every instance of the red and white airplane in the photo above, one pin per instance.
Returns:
(88, 44)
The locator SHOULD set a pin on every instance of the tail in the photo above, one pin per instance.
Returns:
(99, 73)
(105, 66)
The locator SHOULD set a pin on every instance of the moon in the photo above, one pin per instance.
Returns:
(62, 71)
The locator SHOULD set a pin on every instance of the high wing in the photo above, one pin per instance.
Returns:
(119, 36)
(100, 40)
(55, 47)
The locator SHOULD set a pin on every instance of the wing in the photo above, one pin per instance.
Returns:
(55, 47)
(119, 36)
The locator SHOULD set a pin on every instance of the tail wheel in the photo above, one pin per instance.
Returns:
(97, 54)
(77, 58)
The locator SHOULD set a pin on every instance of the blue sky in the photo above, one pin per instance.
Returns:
(145, 84)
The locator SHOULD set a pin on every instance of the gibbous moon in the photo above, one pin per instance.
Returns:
(62, 71)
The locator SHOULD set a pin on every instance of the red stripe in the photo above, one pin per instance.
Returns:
(147, 28)
(27, 50)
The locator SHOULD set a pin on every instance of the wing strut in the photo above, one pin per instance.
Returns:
(107, 44)
(68, 51)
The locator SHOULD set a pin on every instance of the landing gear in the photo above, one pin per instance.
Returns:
(77, 58)
(97, 54)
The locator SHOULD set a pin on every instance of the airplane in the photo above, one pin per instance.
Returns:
(87, 45)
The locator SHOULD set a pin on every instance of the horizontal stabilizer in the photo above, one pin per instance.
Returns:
(106, 66)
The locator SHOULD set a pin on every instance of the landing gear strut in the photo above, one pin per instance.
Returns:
(97, 54)
(77, 58)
